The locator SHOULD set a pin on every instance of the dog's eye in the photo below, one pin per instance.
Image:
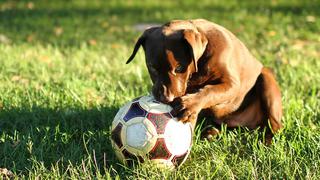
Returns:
(179, 69)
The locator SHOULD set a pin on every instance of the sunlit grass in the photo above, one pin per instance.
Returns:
(63, 77)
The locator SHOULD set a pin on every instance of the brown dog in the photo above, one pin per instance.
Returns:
(198, 66)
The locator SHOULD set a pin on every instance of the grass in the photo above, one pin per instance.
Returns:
(63, 77)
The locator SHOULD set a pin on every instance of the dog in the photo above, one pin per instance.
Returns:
(199, 66)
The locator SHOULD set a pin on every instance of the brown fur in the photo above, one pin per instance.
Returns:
(197, 65)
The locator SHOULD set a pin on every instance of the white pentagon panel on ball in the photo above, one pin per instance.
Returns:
(178, 137)
(151, 105)
(144, 102)
(154, 135)
(138, 136)
(159, 108)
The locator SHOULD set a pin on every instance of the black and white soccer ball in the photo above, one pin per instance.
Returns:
(144, 129)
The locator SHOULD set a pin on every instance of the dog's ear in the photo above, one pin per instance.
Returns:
(136, 47)
(197, 42)
(140, 42)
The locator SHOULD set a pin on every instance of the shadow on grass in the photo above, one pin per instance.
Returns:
(56, 137)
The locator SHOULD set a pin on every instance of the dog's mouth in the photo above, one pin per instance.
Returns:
(163, 95)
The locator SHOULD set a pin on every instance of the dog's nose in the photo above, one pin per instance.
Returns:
(166, 96)
(166, 99)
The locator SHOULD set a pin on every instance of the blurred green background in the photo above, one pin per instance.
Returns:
(72, 22)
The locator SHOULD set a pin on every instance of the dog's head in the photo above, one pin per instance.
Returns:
(172, 52)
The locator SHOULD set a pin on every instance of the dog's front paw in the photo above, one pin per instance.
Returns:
(210, 133)
(187, 108)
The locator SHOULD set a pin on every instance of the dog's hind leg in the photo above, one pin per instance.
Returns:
(271, 102)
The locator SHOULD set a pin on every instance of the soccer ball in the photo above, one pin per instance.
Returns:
(144, 129)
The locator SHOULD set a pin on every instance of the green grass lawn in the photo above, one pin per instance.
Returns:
(63, 77)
